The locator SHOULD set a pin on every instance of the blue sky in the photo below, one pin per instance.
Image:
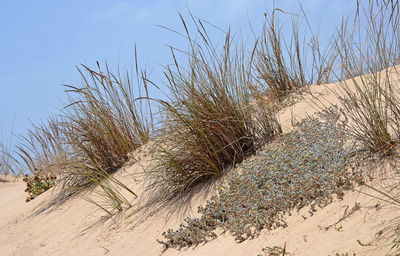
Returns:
(41, 42)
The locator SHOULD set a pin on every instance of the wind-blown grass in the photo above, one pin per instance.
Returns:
(93, 136)
(369, 57)
(212, 120)
(283, 63)
(43, 150)
(105, 122)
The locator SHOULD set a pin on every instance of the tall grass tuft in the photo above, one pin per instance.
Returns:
(105, 122)
(212, 120)
(287, 61)
(93, 136)
(369, 56)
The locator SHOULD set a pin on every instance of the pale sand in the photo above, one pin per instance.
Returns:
(62, 230)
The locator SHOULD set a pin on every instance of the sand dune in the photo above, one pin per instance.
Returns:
(76, 227)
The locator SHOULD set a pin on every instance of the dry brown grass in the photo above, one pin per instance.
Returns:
(43, 150)
(283, 63)
(212, 120)
(369, 56)
(85, 144)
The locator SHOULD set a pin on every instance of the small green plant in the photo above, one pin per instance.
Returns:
(38, 184)
(346, 214)
(274, 251)
(355, 208)
(396, 243)
(364, 244)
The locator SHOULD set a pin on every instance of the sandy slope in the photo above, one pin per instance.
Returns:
(68, 229)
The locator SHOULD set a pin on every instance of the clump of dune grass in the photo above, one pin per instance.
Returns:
(85, 144)
(287, 61)
(212, 121)
(369, 53)
(105, 122)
